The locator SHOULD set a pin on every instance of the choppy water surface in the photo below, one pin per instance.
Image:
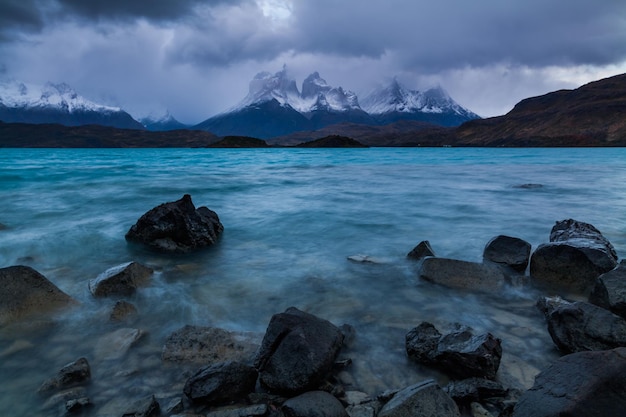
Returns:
(291, 218)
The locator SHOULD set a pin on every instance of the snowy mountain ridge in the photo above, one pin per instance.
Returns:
(316, 94)
(395, 97)
(57, 96)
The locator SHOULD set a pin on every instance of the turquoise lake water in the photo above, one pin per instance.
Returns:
(291, 219)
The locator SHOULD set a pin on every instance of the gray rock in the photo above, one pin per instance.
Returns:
(116, 344)
(462, 274)
(421, 251)
(590, 384)
(208, 345)
(470, 390)
(510, 251)
(576, 255)
(177, 227)
(25, 293)
(121, 280)
(145, 407)
(71, 375)
(459, 354)
(123, 311)
(248, 411)
(580, 326)
(610, 290)
(221, 383)
(313, 404)
(298, 352)
(425, 399)
(77, 405)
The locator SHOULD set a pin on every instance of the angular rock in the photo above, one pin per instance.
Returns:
(462, 274)
(590, 384)
(421, 251)
(580, 326)
(145, 407)
(114, 345)
(470, 390)
(510, 251)
(421, 343)
(298, 351)
(248, 411)
(71, 375)
(425, 399)
(122, 280)
(221, 383)
(609, 291)
(576, 255)
(24, 292)
(77, 405)
(208, 345)
(177, 227)
(313, 404)
(123, 311)
(459, 354)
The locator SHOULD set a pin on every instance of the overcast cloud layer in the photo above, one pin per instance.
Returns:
(196, 57)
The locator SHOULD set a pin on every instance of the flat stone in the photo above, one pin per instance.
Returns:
(462, 274)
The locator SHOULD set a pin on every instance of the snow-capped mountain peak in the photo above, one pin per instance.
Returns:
(396, 98)
(266, 86)
(54, 96)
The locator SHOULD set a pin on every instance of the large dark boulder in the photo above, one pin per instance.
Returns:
(459, 354)
(585, 384)
(509, 251)
(424, 399)
(577, 254)
(221, 383)
(580, 326)
(313, 404)
(464, 275)
(610, 290)
(208, 345)
(24, 292)
(177, 227)
(122, 280)
(297, 352)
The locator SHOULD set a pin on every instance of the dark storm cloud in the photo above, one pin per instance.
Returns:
(157, 10)
(454, 33)
(19, 15)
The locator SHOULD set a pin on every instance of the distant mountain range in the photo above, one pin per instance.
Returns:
(57, 103)
(275, 107)
(591, 115)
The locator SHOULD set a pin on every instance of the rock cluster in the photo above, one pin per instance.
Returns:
(293, 371)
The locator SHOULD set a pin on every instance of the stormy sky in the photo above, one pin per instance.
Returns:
(195, 58)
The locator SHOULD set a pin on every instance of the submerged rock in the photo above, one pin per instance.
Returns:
(313, 404)
(459, 354)
(177, 227)
(510, 251)
(581, 384)
(123, 311)
(425, 399)
(421, 251)
(24, 292)
(208, 345)
(458, 274)
(610, 290)
(144, 407)
(121, 280)
(576, 255)
(114, 345)
(298, 352)
(580, 326)
(71, 375)
(221, 383)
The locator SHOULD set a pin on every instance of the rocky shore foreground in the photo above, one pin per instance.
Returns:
(299, 367)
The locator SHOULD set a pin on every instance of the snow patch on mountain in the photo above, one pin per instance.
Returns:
(60, 96)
